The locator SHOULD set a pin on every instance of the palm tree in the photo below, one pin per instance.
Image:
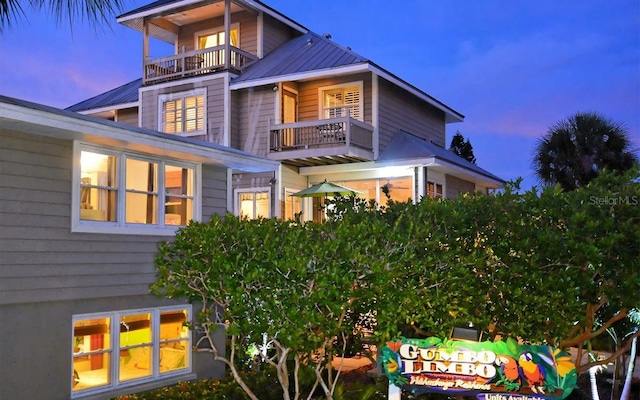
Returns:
(95, 11)
(575, 150)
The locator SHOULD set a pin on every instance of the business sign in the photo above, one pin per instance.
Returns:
(489, 370)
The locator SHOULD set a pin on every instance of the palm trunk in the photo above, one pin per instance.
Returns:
(594, 384)
(632, 361)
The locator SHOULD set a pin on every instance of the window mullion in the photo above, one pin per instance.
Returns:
(122, 192)
(155, 340)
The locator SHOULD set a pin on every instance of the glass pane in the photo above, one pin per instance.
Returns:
(98, 191)
(246, 205)
(263, 207)
(136, 352)
(400, 189)
(293, 206)
(174, 356)
(91, 353)
(141, 208)
(142, 176)
(178, 211)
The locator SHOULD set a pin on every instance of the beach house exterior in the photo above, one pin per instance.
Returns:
(247, 109)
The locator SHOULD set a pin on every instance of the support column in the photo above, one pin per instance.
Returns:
(394, 392)
(145, 48)
(227, 32)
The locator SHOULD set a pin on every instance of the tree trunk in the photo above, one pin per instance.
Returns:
(632, 361)
(594, 384)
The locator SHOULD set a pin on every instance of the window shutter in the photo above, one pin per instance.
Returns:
(352, 98)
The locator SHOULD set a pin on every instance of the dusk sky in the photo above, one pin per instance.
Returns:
(513, 68)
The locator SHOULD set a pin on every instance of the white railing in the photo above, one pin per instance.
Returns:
(195, 62)
(342, 131)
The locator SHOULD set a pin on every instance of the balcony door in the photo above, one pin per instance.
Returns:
(213, 39)
(289, 114)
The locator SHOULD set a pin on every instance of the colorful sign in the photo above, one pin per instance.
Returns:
(488, 370)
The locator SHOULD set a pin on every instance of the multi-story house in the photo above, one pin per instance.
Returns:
(249, 109)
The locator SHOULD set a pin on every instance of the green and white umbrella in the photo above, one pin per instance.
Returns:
(326, 189)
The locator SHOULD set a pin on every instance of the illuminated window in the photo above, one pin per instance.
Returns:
(292, 205)
(183, 113)
(214, 39)
(118, 189)
(341, 100)
(114, 349)
(434, 190)
(253, 205)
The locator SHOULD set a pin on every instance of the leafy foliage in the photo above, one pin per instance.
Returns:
(538, 265)
(574, 151)
(95, 11)
(462, 148)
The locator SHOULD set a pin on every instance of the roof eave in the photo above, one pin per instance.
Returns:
(45, 121)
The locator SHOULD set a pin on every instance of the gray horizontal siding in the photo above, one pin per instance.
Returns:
(214, 105)
(40, 258)
(454, 186)
(256, 110)
(399, 110)
(309, 103)
(128, 116)
(275, 34)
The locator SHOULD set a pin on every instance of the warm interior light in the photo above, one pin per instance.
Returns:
(91, 161)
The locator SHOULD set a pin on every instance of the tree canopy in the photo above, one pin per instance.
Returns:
(575, 150)
(540, 266)
(95, 11)
(461, 147)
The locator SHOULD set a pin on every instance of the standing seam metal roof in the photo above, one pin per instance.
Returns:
(309, 52)
(127, 93)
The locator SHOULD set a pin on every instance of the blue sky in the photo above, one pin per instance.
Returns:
(513, 68)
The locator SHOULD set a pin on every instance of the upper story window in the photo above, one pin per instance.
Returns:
(117, 349)
(216, 37)
(121, 192)
(183, 113)
(213, 38)
(342, 100)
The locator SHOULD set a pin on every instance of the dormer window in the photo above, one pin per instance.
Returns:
(183, 113)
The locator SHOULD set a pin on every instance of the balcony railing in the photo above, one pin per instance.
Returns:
(327, 137)
(195, 62)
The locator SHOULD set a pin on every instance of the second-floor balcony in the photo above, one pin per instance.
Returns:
(321, 142)
(196, 62)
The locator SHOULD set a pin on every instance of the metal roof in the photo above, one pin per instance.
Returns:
(404, 146)
(309, 52)
(127, 93)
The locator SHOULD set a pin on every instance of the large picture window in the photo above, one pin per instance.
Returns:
(183, 113)
(122, 348)
(123, 190)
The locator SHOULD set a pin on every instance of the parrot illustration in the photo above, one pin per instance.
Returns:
(509, 368)
(531, 372)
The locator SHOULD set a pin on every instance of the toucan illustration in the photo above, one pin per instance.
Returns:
(531, 372)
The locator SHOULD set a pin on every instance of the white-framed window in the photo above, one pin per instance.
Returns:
(341, 100)
(183, 113)
(121, 192)
(253, 203)
(435, 190)
(123, 348)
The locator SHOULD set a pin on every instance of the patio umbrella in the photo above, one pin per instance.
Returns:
(326, 189)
